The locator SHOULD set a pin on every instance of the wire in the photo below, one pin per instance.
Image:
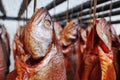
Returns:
(67, 11)
(34, 5)
(54, 9)
(110, 14)
(78, 14)
(103, 10)
(91, 10)
(71, 16)
(81, 12)
(26, 10)
(94, 19)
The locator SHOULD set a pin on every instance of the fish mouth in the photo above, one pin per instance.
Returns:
(36, 58)
(32, 61)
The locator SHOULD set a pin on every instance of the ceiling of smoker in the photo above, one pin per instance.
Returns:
(10, 10)
(16, 8)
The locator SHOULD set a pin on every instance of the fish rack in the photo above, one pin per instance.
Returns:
(74, 11)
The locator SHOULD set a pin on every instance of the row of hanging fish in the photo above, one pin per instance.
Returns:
(91, 53)
(44, 51)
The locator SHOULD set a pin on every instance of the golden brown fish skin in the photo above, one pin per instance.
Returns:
(69, 32)
(106, 66)
(4, 53)
(5, 37)
(31, 64)
(52, 69)
(105, 51)
(3, 64)
(95, 65)
(68, 39)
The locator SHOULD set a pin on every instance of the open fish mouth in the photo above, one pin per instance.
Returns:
(31, 61)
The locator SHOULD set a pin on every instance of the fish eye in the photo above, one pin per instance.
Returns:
(47, 23)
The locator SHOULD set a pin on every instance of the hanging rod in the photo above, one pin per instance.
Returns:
(99, 9)
(2, 8)
(77, 8)
(23, 7)
(12, 18)
(103, 15)
(87, 23)
(112, 22)
(51, 5)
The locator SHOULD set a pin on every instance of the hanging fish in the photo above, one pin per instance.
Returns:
(4, 53)
(38, 55)
(89, 62)
(58, 29)
(68, 39)
(98, 61)
(105, 51)
(69, 33)
(107, 67)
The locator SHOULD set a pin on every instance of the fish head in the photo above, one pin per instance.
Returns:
(103, 31)
(69, 33)
(39, 33)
